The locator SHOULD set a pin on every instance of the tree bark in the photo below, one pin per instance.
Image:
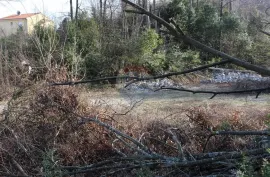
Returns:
(77, 10)
(154, 12)
(100, 10)
(104, 11)
(1, 70)
(71, 9)
(220, 20)
(180, 36)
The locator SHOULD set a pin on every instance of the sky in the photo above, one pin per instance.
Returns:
(55, 9)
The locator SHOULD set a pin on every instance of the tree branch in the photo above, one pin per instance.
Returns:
(179, 35)
(135, 79)
(238, 133)
(258, 91)
(264, 32)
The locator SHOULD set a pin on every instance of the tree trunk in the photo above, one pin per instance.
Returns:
(154, 12)
(104, 10)
(124, 22)
(1, 70)
(77, 9)
(71, 9)
(220, 19)
(100, 10)
(146, 19)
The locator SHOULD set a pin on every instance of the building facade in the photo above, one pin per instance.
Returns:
(23, 22)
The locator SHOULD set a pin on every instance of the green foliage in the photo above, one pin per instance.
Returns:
(246, 169)
(83, 42)
(149, 41)
(178, 59)
(265, 168)
(225, 126)
(205, 25)
(267, 122)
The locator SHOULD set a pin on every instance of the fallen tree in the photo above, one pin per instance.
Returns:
(174, 30)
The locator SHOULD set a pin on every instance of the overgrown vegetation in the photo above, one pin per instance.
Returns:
(52, 131)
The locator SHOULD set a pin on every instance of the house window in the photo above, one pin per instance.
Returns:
(20, 26)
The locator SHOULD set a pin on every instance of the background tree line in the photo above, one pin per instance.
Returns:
(101, 40)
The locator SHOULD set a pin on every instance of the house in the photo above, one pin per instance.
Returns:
(24, 22)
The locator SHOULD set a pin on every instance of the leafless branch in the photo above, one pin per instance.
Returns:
(179, 146)
(238, 133)
(258, 91)
(159, 163)
(119, 133)
(136, 79)
(264, 32)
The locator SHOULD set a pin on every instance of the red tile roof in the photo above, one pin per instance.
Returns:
(22, 16)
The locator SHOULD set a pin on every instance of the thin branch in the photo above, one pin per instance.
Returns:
(110, 128)
(215, 92)
(117, 150)
(93, 80)
(155, 162)
(242, 133)
(238, 133)
(264, 32)
(130, 109)
(136, 79)
(229, 155)
(179, 146)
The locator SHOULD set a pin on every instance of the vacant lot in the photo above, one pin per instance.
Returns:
(172, 107)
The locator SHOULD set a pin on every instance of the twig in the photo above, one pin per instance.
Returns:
(179, 146)
(107, 126)
(117, 150)
(130, 109)
(18, 166)
(132, 147)
(214, 92)
(17, 139)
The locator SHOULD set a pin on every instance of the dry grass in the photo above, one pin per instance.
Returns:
(41, 120)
